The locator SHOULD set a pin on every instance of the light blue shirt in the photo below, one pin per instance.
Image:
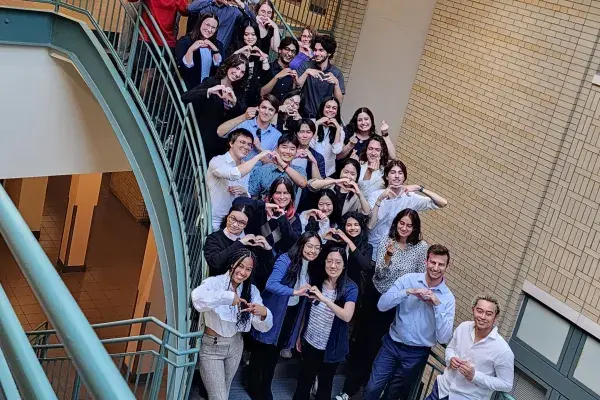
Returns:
(263, 176)
(268, 137)
(418, 323)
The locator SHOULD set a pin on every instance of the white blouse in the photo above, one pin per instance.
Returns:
(327, 150)
(214, 297)
(324, 224)
(373, 184)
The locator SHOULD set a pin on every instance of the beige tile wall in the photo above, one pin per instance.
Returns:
(346, 31)
(501, 121)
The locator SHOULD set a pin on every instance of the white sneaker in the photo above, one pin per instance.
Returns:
(342, 396)
(285, 353)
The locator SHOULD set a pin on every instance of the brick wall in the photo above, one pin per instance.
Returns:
(501, 122)
(125, 188)
(346, 31)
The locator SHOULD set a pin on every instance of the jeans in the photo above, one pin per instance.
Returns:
(311, 367)
(434, 395)
(219, 361)
(397, 366)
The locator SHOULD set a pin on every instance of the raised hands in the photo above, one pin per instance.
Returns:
(384, 128)
(273, 210)
(255, 309)
(237, 191)
(251, 112)
(256, 241)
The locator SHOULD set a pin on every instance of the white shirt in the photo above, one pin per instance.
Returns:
(214, 297)
(494, 364)
(388, 211)
(327, 150)
(324, 224)
(373, 184)
(222, 173)
(301, 281)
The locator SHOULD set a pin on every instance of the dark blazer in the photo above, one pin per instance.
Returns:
(191, 76)
(210, 113)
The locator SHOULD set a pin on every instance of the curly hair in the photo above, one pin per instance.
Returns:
(232, 62)
(391, 164)
(385, 154)
(352, 126)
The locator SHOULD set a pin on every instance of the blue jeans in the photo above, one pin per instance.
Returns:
(434, 395)
(397, 366)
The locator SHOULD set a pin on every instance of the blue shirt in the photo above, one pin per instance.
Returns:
(263, 176)
(229, 16)
(268, 137)
(418, 323)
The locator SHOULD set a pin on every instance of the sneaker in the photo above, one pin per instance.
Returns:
(286, 353)
(342, 396)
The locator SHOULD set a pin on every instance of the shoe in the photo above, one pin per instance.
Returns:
(285, 353)
(342, 396)
(315, 387)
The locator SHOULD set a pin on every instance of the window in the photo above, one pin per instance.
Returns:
(318, 6)
(586, 371)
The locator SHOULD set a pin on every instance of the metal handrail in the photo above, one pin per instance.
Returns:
(82, 344)
(8, 386)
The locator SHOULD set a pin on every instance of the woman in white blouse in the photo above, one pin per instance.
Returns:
(230, 305)
(373, 160)
(329, 139)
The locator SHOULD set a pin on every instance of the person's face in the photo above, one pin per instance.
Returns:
(349, 172)
(305, 135)
(374, 151)
(395, 177)
(293, 104)
(282, 197)
(236, 73)
(484, 314)
(249, 36)
(325, 205)
(208, 27)
(288, 53)
(364, 123)
(306, 37)
(266, 111)
(287, 151)
(320, 54)
(236, 222)
(243, 270)
(404, 227)
(265, 11)
(334, 264)
(241, 147)
(311, 249)
(330, 110)
(436, 266)
(352, 227)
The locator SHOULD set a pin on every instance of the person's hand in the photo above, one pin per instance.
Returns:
(352, 186)
(315, 293)
(431, 298)
(305, 48)
(200, 44)
(467, 369)
(302, 153)
(258, 53)
(329, 235)
(265, 156)
(261, 241)
(248, 240)
(373, 164)
(390, 248)
(301, 291)
(282, 164)
(251, 112)
(320, 215)
(273, 210)
(410, 188)
(330, 78)
(322, 121)
(284, 108)
(238, 3)
(237, 191)
(334, 122)
(295, 115)
(353, 139)
(218, 90)
(384, 127)
(342, 235)
(355, 155)
(455, 362)
(387, 194)
(237, 300)
(256, 309)
(246, 50)
(271, 23)
(315, 73)
(299, 344)
(283, 73)
(229, 95)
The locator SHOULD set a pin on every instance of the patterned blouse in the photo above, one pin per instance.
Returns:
(411, 259)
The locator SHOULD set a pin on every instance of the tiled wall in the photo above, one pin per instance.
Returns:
(125, 188)
(346, 31)
(502, 122)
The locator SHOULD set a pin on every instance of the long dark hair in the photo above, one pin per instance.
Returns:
(231, 62)
(385, 154)
(338, 118)
(352, 126)
(196, 34)
(295, 254)
(236, 207)
(320, 275)
(415, 237)
(235, 260)
(336, 214)
(283, 117)
(362, 239)
(290, 211)
(238, 40)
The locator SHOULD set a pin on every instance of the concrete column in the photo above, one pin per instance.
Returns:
(29, 195)
(83, 199)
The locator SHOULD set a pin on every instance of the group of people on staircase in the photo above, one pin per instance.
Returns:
(317, 250)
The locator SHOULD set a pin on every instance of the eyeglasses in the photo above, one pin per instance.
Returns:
(234, 221)
(337, 263)
(287, 49)
(312, 247)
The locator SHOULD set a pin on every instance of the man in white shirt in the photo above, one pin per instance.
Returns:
(387, 203)
(227, 176)
(479, 361)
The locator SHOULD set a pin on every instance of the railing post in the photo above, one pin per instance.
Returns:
(8, 387)
(20, 357)
(160, 365)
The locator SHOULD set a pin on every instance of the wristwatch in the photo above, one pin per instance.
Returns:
(421, 187)
(385, 134)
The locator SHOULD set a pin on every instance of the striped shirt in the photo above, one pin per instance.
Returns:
(320, 321)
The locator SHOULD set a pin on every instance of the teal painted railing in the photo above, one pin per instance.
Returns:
(143, 359)
(82, 345)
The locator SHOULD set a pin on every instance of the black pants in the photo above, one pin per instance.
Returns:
(372, 327)
(311, 367)
(264, 357)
